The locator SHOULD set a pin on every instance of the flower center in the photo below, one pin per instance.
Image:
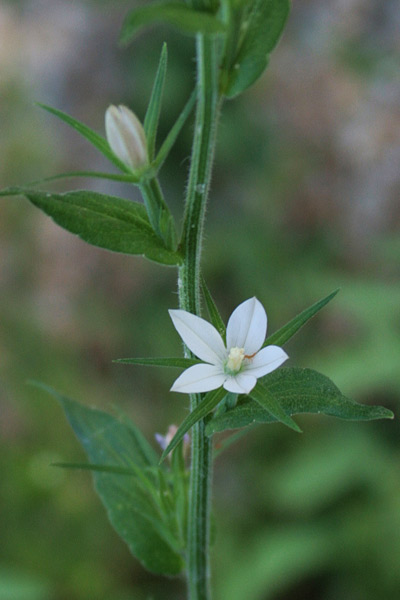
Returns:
(235, 359)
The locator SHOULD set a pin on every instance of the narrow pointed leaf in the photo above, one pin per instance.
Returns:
(207, 404)
(160, 362)
(286, 332)
(106, 221)
(297, 391)
(265, 21)
(266, 399)
(176, 14)
(213, 311)
(125, 178)
(153, 110)
(94, 138)
(130, 507)
(173, 134)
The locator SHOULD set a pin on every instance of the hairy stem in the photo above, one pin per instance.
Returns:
(198, 571)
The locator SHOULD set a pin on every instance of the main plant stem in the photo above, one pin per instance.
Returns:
(198, 569)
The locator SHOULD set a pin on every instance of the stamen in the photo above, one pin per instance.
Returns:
(235, 359)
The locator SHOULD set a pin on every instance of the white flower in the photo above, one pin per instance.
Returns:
(126, 137)
(237, 366)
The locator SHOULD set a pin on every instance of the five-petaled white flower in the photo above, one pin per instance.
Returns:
(235, 366)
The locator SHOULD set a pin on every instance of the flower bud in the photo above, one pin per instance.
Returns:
(126, 136)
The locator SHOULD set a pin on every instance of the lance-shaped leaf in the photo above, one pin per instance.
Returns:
(286, 332)
(94, 138)
(106, 221)
(179, 15)
(153, 110)
(262, 27)
(205, 406)
(297, 391)
(160, 362)
(131, 508)
(266, 399)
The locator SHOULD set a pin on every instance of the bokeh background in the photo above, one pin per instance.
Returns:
(304, 200)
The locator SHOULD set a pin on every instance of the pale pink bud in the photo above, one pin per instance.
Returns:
(126, 136)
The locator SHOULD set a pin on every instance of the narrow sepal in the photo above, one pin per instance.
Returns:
(154, 107)
(94, 138)
(173, 134)
(125, 178)
(213, 311)
(265, 398)
(207, 404)
(286, 332)
(160, 362)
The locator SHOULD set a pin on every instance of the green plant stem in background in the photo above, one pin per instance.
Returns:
(198, 570)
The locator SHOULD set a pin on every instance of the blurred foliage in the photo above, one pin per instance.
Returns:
(304, 199)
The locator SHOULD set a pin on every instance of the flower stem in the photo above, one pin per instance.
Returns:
(208, 101)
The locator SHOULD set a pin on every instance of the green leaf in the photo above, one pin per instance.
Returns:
(130, 506)
(286, 332)
(151, 119)
(297, 391)
(94, 138)
(160, 362)
(213, 311)
(266, 399)
(97, 174)
(205, 406)
(176, 14)
(173, 134)
(262, 27)
(106, 221)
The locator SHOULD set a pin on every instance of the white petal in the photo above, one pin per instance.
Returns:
(247, 326)
(240, 384)
(266, 360)
(199, 378)
(199, 336)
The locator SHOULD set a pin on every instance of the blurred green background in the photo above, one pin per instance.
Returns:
(304, 200)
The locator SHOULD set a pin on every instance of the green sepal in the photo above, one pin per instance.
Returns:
(151, 119)
(262, 24)
(264, 397)
(205, 406)
(133, 503)
(173, 134)
(125, 178)
(286, 332)
(176, 14)
(106, 221)
(94, 138)
(160, 362)
(213, 311)
(297, 391)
